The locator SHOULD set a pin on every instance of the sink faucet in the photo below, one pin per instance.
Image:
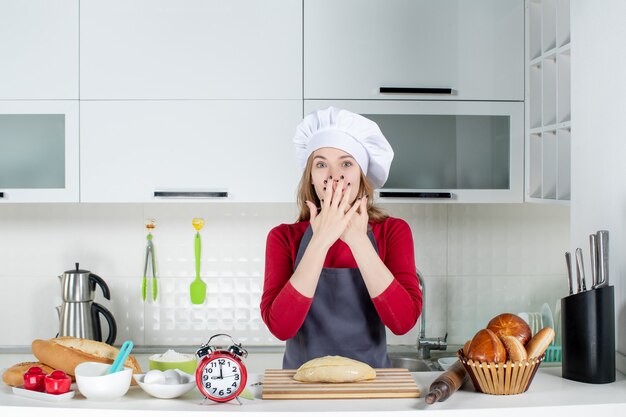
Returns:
(426, 344)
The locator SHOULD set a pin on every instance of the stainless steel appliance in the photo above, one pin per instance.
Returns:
(79, 316)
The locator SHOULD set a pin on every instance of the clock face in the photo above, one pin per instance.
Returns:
(221, 377)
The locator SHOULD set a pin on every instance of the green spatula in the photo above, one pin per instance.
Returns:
(197, 289)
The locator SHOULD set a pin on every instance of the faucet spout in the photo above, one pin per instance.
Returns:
(426, 344)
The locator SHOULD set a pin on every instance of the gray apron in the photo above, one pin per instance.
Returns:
(342, 319)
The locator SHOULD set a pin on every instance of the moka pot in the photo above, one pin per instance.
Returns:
(79, 316)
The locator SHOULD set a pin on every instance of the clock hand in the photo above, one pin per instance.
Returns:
(221, 374)
(222, 377)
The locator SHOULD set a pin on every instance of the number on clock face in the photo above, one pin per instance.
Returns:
(221, 377)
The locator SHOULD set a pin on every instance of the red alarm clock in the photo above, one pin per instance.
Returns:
(221, 374)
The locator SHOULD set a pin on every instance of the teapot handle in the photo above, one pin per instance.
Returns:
(96, 310)
(96, 280)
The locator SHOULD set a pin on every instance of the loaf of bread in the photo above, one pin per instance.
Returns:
(508, 324)
(65, 353)
(515, 351)
(14, 376)
(486, 347)
(540, 342)
(334, 369)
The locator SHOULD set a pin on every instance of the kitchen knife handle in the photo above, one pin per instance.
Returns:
(419, 90)
(593, 252)
(580, 270)
(568, 263)
(603, 257)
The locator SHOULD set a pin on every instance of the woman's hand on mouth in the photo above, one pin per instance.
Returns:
(332, 220)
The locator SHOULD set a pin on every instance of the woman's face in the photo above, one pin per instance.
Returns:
(335, 163)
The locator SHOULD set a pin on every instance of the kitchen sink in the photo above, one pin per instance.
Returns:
(413, 363)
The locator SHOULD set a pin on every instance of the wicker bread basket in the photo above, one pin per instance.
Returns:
(501, 378)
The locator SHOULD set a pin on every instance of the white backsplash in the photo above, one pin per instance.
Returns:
(478, 260)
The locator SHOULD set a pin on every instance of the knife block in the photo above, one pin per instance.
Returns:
(588, 336)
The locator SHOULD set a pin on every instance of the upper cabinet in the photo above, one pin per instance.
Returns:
(447, 151)
(464, 50)
(39, 50)
(173, 150)
(196, 49)
(38, 151)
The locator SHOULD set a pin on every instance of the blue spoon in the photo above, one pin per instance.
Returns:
(121, 357)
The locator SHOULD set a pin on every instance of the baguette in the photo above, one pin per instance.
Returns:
(65, 353)
(14, 376)
(540, 342)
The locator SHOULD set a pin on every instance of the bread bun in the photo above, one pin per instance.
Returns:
(14, 376)
(508, 324)
(466, 347)
(486, 347)
(515, 351)
(540, 342)
(65, 353)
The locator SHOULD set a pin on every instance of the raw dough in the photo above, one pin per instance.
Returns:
(334, 369)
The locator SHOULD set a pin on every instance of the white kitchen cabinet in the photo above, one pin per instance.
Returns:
(131, 151)
(447, 151)
(38, 151)
(196, 49)
(38, 49)
(353, 48)
(548, 102)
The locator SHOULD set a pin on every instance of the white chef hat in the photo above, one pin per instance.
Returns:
(350, 132)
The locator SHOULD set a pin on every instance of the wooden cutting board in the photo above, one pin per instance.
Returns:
(278, 384)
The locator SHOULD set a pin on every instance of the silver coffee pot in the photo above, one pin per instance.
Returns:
(79, 316)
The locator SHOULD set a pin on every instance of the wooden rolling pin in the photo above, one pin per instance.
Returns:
(447, 383)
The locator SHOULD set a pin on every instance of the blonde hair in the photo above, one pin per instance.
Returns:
(306, 192)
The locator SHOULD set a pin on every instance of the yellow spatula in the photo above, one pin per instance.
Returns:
(197, 289)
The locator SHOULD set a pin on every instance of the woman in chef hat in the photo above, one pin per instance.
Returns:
(345, 269)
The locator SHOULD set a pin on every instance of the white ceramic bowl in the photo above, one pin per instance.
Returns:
(168, 390)
(446, 363)
(95, 384)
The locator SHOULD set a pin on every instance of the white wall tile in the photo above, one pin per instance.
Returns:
(477, 260)
(428, 223)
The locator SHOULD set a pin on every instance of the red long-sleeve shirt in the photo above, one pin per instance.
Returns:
(284, 309)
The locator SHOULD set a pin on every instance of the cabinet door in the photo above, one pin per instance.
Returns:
(39, 49)
(38, 151)
(352, 48)
(131, 150)
(196, 49)
(447, 151)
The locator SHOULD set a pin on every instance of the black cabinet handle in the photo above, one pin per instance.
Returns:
(191, 194)
(414, 194)
(408, 90)
(1, 194)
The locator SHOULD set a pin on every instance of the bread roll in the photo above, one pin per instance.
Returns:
(508, 324)
(466, 347)
(540, 342)
(487, 347)
(65, 353)
(334, 369)
(515, 351)
(14, 376)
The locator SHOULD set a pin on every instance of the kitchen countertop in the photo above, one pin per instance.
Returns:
(549, 394)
